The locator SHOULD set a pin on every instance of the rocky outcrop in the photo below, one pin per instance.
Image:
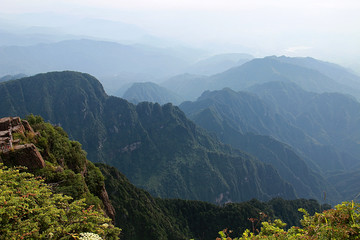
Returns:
(12, 152)
(23, 155)
(9, 122)
(109, 208)
(27, 125)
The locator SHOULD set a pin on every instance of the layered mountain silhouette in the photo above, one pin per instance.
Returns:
(157, 147)
(151, 92)
(108, 60)
(334, 71)
(310, 74)
(188, 86)
(320, 128)
(331, 119)
(12, 77)
(218, 63)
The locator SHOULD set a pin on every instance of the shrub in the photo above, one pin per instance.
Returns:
(342, 222)
(29, 210)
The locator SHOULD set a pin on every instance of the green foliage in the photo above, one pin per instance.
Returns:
(94, 178)
(139, 214)
(64, 181)
(142, 216)
(30, 210)
(67, 170)
(56, 147)
(34, 119)
(342, 222)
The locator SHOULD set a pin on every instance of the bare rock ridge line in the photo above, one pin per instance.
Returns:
(14, 153)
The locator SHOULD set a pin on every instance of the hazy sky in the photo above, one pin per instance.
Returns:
(327, 29)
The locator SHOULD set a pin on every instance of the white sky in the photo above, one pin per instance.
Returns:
(326, 29)
(31, 5)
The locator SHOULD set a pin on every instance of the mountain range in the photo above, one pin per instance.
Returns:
(218, 63)
(305, 138)
(115, 64)
(329, 118)
(46, 152)
(100, 58)
(157, 147)
(322, 77)
(316, 135)
(169, 141)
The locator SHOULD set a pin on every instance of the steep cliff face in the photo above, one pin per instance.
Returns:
(108, 207)
(49, 153)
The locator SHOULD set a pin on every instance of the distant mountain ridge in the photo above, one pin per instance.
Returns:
(329, 118)
(218, 63)
(261, 70)
(334, 71)
(151, 92)
(157, 147)
(12, 77)
(99, 58)
(321, 128)
(189, 86)
(239, 118)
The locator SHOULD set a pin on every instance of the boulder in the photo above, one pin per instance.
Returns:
(23, 155)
